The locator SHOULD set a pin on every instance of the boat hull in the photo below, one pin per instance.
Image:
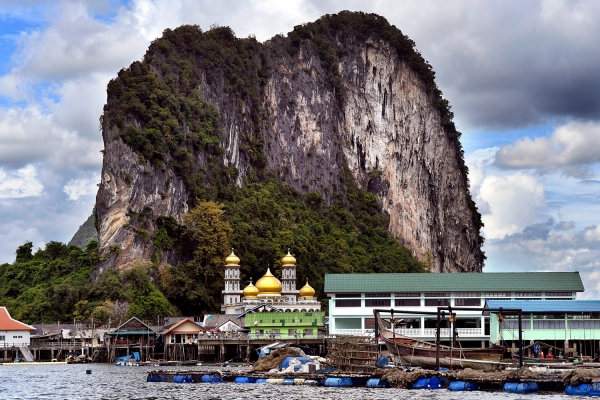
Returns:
(423, 354)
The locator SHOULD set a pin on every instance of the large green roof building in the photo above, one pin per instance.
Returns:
(352, 298)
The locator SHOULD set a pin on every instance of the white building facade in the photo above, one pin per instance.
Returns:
(13, 333)
(353, 297)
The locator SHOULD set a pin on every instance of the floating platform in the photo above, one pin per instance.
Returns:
(581, 381)
(22, 364)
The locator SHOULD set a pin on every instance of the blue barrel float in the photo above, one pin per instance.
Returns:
(156, 378)
(427, 383)
(462, 386)
(245, 379)
(584, 389)
(261, 380)
(338, 382)
(287, 381)
(212, 378)
(377, 383)
(522, 387)
(183, 379)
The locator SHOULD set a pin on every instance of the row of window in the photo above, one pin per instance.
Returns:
(407, 302)
(494, 295)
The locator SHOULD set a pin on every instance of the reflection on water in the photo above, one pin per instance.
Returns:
(119, 383)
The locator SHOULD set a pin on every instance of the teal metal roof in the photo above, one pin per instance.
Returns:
(457, 282)
(547, 305)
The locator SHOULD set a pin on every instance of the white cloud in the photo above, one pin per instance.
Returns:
(76, 188)
(571, 149)
(543, 247)
(20, 183)
(14, 237)
(514, 202)
(29, 136)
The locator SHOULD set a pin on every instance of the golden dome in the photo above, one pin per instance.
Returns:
(288, 259)
(250, 291)
(307, 291)
(269, 284)
(232, 259)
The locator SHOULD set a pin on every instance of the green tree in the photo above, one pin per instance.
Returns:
(210, 236)
(24, 252)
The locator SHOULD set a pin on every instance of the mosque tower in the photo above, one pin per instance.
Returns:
(232, 293)
(288, 277)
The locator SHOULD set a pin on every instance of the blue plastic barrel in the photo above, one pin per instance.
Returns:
(377, 383)
(578, 390)
(261, 380)
(427, 383)
(338, 382)
(212, 378)
(287, 381)
(183, 379)
(594, 389)
(462, 386)
(523, 387)
(156, 378)
(244, 379)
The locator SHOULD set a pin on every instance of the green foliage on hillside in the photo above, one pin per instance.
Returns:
(85, 234)
(261, 222)
(352, 237)
(54, 284)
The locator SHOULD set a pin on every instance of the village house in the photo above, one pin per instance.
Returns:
(14, 337)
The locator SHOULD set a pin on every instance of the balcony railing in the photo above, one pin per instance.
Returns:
(417, 332)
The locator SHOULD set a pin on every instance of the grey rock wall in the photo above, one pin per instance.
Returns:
(387, 131)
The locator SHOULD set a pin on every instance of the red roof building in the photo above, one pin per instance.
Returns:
(13, 332)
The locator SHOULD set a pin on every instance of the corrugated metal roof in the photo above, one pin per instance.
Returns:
(458, 282)
(547, 305)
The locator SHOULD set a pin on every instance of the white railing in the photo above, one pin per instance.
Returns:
(444, 332)
(416, 332)
(352, 332)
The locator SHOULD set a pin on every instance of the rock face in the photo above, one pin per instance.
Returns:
(379, 122)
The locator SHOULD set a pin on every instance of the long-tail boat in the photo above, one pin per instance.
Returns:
(413, 352)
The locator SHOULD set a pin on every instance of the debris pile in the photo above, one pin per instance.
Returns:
(403, 378)
(273, 360)
(581, 375)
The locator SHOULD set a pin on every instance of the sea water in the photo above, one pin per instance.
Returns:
(110, 382)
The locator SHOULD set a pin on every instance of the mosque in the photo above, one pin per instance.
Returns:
(269, 292)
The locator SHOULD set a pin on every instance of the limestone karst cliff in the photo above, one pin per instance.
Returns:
(346, 99)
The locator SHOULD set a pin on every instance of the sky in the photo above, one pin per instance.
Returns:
(522, 78)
